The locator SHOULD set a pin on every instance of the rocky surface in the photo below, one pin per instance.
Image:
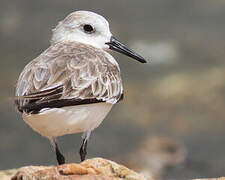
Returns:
(7, 174)
(91, 169)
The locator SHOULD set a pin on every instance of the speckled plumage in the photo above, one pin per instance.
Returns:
(68, 71)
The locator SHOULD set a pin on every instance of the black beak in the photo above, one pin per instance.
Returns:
(115, 45)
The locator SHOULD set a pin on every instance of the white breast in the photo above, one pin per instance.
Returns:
(68, 120)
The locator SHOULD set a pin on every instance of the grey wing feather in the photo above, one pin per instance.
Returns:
(67, 72)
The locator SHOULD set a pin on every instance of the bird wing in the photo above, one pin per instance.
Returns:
(68, 74)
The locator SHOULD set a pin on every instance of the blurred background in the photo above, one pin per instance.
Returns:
(171, 124)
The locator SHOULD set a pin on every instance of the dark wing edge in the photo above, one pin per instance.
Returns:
(36, 107)
(49, 99)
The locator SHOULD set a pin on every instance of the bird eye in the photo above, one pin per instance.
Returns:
(88, 28)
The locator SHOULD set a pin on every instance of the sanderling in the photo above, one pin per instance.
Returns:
(73, 84)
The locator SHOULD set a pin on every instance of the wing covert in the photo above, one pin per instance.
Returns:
(66, 75)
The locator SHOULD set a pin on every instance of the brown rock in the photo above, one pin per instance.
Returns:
(7, 174)
(91, 169)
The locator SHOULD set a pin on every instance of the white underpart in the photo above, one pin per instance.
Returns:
(68, 120)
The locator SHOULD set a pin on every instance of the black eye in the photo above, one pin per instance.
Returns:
(88, 28)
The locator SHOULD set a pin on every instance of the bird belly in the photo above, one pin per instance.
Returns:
(68, 120)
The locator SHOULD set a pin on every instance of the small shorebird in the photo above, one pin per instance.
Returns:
(72, 85)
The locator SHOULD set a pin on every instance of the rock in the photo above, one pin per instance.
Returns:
(91, 169)
(7, 174)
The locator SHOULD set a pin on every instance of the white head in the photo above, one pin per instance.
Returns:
(92, 29)
(85, 27)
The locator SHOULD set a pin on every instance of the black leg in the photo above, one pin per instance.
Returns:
(60, 158)
(83, 148)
